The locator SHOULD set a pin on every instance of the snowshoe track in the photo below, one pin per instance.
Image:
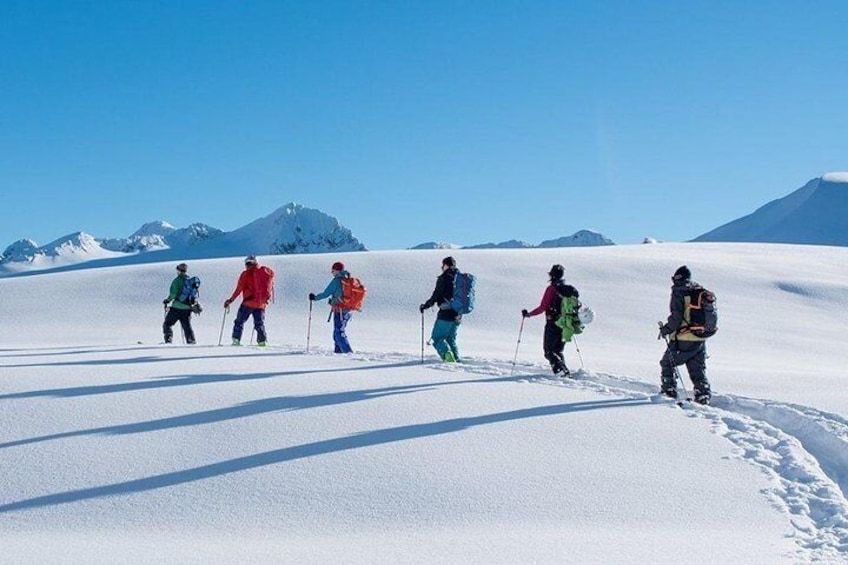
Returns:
(803, 451)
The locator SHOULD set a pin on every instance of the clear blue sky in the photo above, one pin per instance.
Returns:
(412, 121)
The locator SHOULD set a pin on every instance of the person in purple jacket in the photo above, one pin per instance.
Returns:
(552, 342)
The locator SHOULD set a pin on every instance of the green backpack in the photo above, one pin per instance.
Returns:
(568, 320)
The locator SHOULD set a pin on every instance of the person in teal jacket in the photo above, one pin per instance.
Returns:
(340, 316)
(178, 311)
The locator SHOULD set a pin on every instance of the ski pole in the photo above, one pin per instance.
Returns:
(253, 331)
(223, 321)
(579, 355)
(673, 364)
(422, 336)
(515, 357)
(309, 327)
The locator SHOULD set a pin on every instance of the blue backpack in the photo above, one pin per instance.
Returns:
(463, 293)
(190, 292)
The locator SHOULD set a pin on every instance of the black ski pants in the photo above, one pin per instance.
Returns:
(173, 316)
(554, 346)
(693, 354)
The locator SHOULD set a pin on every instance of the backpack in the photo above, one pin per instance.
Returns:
(569, 320)
(353, 293)
(263, 282)
(463, 293)
(701, 313)
(190, 292)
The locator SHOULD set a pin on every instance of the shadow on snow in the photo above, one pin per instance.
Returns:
(294, 453)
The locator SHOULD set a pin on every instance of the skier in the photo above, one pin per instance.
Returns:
(448, 320)
(255, 284)
(178, 311)
(341, 316)
(552, 342)
(684, 348)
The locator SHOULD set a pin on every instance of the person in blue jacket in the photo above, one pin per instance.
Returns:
(341, 317)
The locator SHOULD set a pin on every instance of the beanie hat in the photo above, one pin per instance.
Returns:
(682, 274)
(449, 262)
(250, 260)
(182, 267)
(337, 266)
(557, 272)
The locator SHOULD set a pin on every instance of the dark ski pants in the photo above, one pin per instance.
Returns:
(340, 341)
(554, 346)
(693, 354)
(173, 316)
(245, 312)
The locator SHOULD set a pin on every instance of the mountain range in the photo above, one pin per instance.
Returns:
(290, 229)
(813, 214)
(582, 238)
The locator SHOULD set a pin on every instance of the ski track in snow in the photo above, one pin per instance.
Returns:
(803, 451)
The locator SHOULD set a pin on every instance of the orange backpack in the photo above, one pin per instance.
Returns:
(353, 293)
(263, 280)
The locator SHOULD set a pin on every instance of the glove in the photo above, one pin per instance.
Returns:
(166, 302)
(227, 303)
(525, 314)
(421, 308)
(311, 296)
(664, 331)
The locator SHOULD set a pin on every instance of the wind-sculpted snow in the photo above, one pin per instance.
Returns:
(804, 452)
(116, 449)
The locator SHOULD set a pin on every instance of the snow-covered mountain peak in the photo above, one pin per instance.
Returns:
(22, 250)
(293, 228)
(582, 238)
(75, 243)
(159, 227)
(813, 214)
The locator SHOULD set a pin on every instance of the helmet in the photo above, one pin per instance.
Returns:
(585, 315)
(682, 274)
(182, 267)
(557, 272)
(250, 260)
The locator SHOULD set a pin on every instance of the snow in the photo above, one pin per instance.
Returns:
(835, 177)
(120, 451)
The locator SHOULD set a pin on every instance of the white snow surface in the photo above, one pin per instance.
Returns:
(116, 449)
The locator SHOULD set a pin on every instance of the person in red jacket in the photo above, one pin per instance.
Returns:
(551, 304)
(256, 285)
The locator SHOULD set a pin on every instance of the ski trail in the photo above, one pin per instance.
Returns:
(803, 451)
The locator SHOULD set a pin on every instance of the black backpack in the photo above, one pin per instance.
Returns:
(702, 313)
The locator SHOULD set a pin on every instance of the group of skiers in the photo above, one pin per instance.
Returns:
(255, 285)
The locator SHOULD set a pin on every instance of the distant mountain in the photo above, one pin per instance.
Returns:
(814, 214)
(436, 245)
(290, 229)
(582, 238)
(511, 244)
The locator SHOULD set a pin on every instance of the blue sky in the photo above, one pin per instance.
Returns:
(413, 121)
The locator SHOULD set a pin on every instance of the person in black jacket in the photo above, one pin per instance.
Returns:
(551, 304)
(684, 347)
(448, 319)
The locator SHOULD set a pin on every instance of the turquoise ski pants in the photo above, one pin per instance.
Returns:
(444, 338)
